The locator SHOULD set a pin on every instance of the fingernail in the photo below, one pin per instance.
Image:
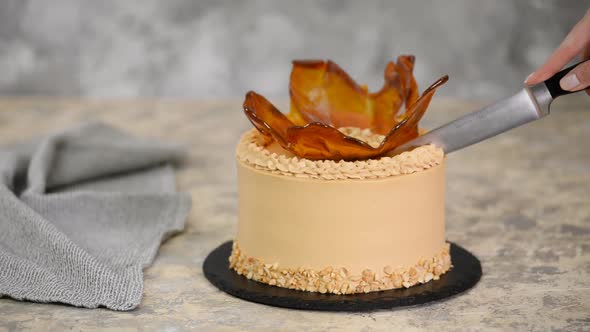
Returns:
(526, 80)
(569, 82)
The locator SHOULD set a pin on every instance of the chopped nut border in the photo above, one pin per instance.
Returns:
(339, 280)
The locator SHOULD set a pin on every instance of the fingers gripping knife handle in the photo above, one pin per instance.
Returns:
(553, 85)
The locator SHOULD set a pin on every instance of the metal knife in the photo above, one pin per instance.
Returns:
(529, 104)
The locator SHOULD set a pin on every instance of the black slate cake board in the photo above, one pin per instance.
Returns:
(464, 274)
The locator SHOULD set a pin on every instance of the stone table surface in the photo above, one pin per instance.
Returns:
(520, 202)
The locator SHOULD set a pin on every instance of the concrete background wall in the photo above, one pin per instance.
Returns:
(215, 49)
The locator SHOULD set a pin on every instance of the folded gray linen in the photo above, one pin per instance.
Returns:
(82, 212)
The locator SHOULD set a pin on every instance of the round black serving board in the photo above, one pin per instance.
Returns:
(465, 273)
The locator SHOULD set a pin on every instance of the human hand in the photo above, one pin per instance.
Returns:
(576, 43)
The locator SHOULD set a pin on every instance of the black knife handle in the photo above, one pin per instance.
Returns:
(553, 86)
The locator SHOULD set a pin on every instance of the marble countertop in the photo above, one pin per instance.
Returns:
(520, 202)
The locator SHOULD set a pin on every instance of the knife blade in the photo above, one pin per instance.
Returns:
(529, 104)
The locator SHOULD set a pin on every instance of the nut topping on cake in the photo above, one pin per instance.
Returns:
(338, 281)
(253, 151)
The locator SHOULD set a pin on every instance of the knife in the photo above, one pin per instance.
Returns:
(529, 104)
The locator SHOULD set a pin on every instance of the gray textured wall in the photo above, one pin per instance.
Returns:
(210, 49)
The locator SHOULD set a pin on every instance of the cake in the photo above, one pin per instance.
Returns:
(324, 206)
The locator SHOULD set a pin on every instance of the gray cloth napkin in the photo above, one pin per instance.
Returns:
(82, 212)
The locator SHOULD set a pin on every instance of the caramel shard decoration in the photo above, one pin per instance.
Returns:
(322, 92)
(324, 97)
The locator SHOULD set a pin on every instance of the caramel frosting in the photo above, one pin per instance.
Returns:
(255, 150)
(339, 227)
(356, 224)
